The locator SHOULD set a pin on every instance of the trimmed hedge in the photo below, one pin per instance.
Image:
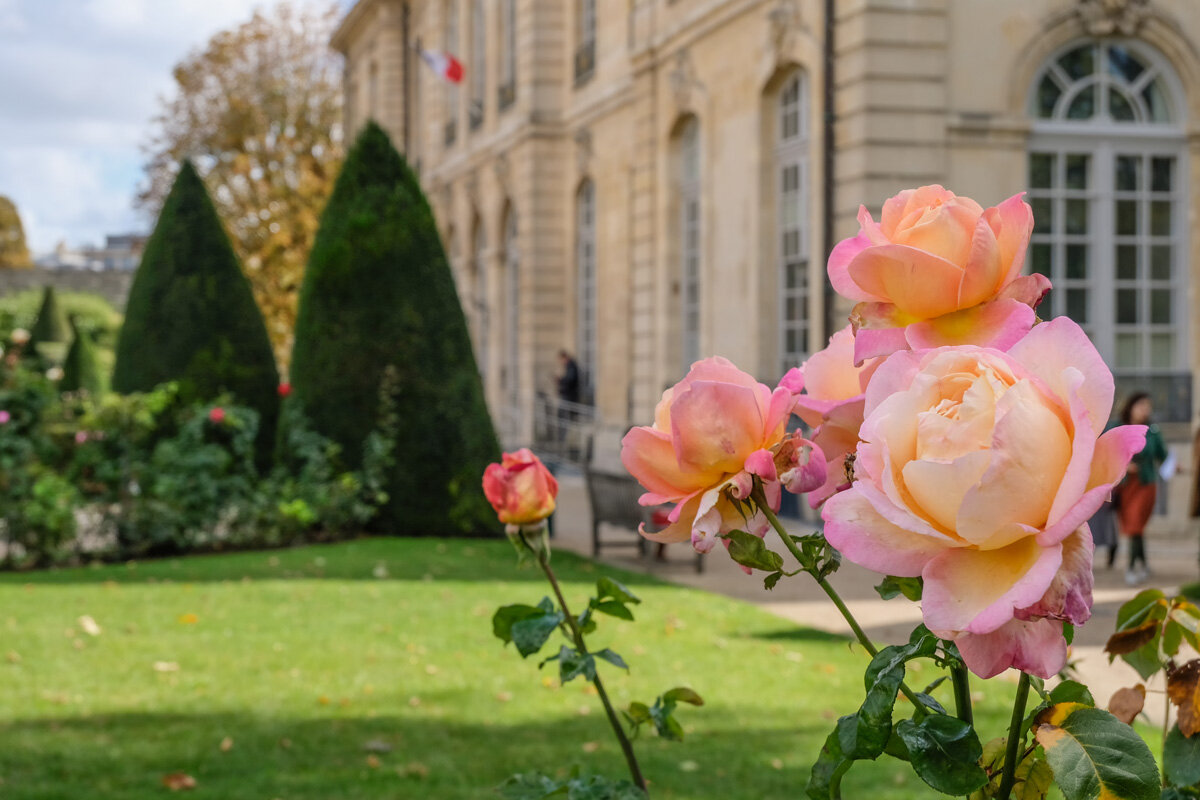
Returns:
(191, 317)
(378, 292)
(81, 372)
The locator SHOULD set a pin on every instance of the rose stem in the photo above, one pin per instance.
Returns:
(1008, 778)
(831, 593)
(962, 692)
(635, 771)
(1165, 727)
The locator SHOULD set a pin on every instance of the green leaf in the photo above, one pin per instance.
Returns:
(750, 551)
(665, 723)
(613, 609)
(607, 587)
(598, 787)
(883, 678)
(586, 622)
(682, 694)
(945, 753)
(530, 633)
(572, 664)
(639, 712)
(528, 786)
(536, 786)
(826, 779)
(612, 658)
(772, 579)
(1093, 754)
(505, 616)
(894, 587)
(1181, 758)
(1145, 605)
(1071, 692)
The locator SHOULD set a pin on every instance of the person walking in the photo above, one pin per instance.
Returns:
(1139, 490)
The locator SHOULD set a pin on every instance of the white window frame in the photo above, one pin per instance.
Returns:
(586, 286)
(792, 219)
(691, 232)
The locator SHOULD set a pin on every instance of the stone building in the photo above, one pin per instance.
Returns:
(644, 182)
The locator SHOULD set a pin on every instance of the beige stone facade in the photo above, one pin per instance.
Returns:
(639, 181)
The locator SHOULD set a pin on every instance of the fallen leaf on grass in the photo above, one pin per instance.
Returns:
(1127, 703)
(377, 746)
(179, 781)
(89, 626)
(591, 747)
(380, 571)
(285, 743)
(323, 700)
(373, 761)
(226, 744)
(13, 657)
(166, 666)
(188, 619)
(414, 769)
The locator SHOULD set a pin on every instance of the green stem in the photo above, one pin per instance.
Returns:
(1009, 776)
(1166, 726)
(962, 693)
(635, 771)
(835, 598)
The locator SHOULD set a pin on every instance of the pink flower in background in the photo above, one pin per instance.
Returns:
(832, 405)
(5, 417)
(520, 488)
(714, 432)
(81, 437)
(938, 269)
(284, 389)
(978, 470)
(216, 415)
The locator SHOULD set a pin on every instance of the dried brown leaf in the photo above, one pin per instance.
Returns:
(1127, 703)
(1183, 687)
(1127, 641)
(179, 781)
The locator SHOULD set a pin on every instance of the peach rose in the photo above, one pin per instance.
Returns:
(978, 470)
(520, 489)
(715, 432)
(937, 270)
(832, 405)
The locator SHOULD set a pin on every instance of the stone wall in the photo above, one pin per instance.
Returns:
(112, 285)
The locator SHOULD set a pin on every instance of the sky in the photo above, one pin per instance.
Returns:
(80, 81)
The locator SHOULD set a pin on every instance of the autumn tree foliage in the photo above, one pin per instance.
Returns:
(258, 111)
(13, 250)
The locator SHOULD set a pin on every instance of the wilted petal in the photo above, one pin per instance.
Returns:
(1036, 647)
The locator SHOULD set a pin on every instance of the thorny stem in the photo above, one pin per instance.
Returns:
(835, 598)
(1009, 776)
(635, 771)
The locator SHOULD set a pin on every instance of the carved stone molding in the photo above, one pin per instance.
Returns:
(502, 171)
(1110, 17)
(784, 23)
(684, 83)
(583, 150)
(471, 184)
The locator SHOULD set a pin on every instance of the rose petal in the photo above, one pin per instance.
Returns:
(1053, 347)
(998, 324)
(1036, 647)
(863, 536)
(1070, 594)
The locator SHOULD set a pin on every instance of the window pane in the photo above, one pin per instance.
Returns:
(1119, 107)
(1127, 306)
(1124, 64)
(1077, 171)
(1040, 259)
(1127, 261)
(1127, 218)
(1077, 305)
(1160, 262)
(1129, 350)
(1043, 219)
(1077, 267)
(1161, 169)
(1162, 350)
(1079, 63)
(1127, 173)
(1077, 216)
(1155, 98)
(1047, 96)
(1041, 170)
(1160, 306)
(1084, 104)
(1160, 218)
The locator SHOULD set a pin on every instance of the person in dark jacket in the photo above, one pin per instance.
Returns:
(1137, 493)
(568, 378)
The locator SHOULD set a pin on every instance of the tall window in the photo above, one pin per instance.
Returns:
(450, 91)
(478, 66)
(1106, 167)
(689, 188)
(585, 39)
(512, 308)
(792, 240)
(480, 298)
(585, 264)
(507, 92)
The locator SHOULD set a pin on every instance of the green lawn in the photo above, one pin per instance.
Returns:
(369, 670)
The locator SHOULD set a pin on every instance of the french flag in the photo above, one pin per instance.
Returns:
(444, 64)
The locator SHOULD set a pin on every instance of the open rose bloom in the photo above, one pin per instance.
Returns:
(714, 433)
(938, 269)
(978, 469)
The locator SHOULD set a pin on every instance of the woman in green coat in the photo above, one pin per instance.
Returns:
(1139, 490)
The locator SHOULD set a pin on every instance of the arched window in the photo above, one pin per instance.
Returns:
(512, 309)
(688, 187)
(1106, 179)
(450, 44)
(585, 266)
(790, 179)
(478, 66)
(507, 91)
(479, 292)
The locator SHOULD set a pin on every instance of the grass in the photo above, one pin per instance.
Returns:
(327, 679)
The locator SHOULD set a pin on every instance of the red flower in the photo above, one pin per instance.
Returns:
(284, 389)
(216, 415)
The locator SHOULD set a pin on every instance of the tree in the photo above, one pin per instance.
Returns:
(13, 250)
(378, 294)
(191, 316)
(81, 372)
(258, 111)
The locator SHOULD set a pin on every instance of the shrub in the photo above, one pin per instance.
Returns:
(377, 293)
(81, 372)
(191, 317)
(48, 337)
(93, 314)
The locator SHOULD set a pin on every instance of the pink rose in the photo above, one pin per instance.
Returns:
(5, 417)
(978, 470)
(520, 489)
(216, 415)
(284, 389)
(937, 270)
(832, 404)
(713, 433)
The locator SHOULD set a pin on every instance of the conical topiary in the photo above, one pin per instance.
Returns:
(191, 317)
(378, 292)
(81, 372)
(50, 325)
